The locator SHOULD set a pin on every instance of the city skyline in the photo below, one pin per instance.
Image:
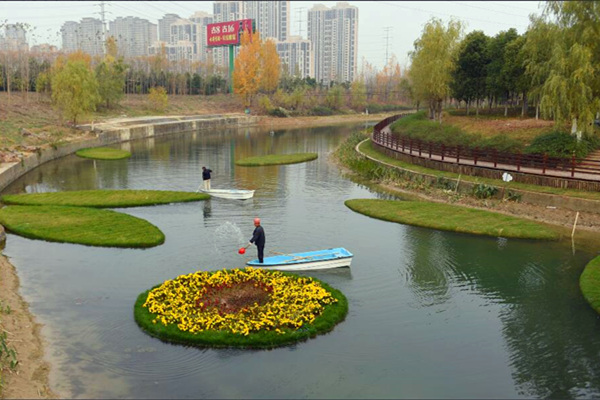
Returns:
(385, 27)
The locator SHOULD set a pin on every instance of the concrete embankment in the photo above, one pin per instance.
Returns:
(116, 131)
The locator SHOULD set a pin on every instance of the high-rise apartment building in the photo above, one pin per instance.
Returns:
(272, 18)
(296, 56)
(133, 35)
(69, 32)
(15, 38)
(203, 19)
(333, 33)
(164, 26)
(85, 36)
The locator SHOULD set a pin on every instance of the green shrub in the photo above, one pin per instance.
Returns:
(279, 112)
(321, 111)
(158, 99)
(483, 191)
(562, 145)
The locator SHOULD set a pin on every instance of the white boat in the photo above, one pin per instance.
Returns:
(234, 194)
(310, 260)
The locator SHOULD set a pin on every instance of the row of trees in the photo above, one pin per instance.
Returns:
(555, 65)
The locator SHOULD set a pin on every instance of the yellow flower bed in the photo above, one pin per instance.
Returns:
(193, 301)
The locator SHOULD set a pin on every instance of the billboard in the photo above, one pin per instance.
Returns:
(226, 33)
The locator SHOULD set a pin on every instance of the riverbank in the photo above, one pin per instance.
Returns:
(376, 171)
(23, 333)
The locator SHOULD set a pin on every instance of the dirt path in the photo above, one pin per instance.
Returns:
(30, 380)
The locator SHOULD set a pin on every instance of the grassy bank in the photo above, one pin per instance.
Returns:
(80, 225)
(103, 198)
(589, 282)
(368, 149)
(103, 153)
(452, 218)
(529, 136)
(276, 159)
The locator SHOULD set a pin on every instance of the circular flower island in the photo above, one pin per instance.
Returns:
(248, 308)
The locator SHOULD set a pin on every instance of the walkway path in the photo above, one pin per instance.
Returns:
(504, 167)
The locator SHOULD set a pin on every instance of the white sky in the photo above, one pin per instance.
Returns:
(405, 19)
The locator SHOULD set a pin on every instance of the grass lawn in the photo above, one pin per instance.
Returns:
(103, 153)
(453, 218)
(103, 198)
(589, 282)
(276, 159)
(331, 315)
(80, 225)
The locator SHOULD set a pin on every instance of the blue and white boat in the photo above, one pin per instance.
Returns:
(320, 259)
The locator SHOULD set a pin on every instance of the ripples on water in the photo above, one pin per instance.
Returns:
(432, 314)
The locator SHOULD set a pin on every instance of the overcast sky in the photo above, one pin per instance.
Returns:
(390, 26)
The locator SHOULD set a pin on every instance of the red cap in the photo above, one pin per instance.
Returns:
(257, 220)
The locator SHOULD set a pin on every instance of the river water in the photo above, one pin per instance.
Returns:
(432, 314)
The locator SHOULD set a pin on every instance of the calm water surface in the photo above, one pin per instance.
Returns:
(432, 314)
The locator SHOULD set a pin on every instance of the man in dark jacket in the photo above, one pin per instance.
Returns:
(258, 238)
(206, 177)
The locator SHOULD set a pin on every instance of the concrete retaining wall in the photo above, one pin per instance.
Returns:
(9, 172)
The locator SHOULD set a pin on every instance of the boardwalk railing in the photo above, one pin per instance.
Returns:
(576, 168)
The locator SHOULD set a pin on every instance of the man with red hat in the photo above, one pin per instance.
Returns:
(258, 238)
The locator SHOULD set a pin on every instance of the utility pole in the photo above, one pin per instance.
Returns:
(103, 18)
(387, 30)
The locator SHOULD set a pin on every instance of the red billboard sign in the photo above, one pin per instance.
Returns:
(226, 33)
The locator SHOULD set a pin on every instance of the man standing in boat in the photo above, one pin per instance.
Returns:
(258, 238)
(206, 177)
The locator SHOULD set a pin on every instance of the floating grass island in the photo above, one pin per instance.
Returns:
(453, 218)
(589, 282)
(103, 153)
(246, 308)
(276, 159)
(103, 198)
(80, 225)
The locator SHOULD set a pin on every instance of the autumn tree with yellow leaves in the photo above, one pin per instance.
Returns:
(256, 67)
(270, 67)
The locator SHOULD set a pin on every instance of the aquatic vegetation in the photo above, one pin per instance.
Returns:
(103, 153)
(240, 307)
(276, 159)
(103, 198)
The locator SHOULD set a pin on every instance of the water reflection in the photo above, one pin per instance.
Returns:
(432, 314)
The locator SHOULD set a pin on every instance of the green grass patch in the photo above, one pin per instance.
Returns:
(276, 159)
(332, 315)
(103, 198)
(452, 218)
(103, 153)
(80, 225)
(589, 282)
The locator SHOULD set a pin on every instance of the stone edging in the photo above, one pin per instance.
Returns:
(9, 172)
(542, 199)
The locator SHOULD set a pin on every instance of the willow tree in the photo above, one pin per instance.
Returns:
(536, 54)
(572, 90)
(433, 61)
(74, 87)
(246, 75)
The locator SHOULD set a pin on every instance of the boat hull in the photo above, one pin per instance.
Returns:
(313, 260)
(229, 194)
